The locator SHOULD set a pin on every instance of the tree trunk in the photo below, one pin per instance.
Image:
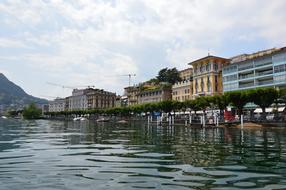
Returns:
(263, 115)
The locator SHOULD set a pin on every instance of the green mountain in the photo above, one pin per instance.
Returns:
(11, 95)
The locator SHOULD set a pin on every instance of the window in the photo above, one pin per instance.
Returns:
(229, 78)
(209, 84)
(202, 84)
(196, 85)
(279, 58)
(279, 68)
(280, 78)
(208, 67)
(216, 84)
(215, 66)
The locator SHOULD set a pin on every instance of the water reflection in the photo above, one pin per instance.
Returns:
(83, 155)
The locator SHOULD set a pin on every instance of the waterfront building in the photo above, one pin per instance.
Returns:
(265, 68)
(45, 108)
(100, 99)
(78, 100)
(183, 90)
(67, 99)
(90, 98)
(156, 94)
(132, 93)
(207, 75)
(57, 105)
(121, 101)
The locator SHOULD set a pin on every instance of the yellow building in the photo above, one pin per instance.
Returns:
(182, 91)
(207, 75)
(186, 74)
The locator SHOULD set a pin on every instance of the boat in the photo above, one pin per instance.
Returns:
(122, 121)
(3, 117)
(79, 119)
(102, 120)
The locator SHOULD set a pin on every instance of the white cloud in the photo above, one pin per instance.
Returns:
(11, 43)
(79, 41)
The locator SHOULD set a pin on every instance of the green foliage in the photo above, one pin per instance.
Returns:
(32, 112)
(220, 101)
(166, 106)
(153, 81)
(238, 99)
(263, 97)
(169, 75)
(282, 96)
(202, 102)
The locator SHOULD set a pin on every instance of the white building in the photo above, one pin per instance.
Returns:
(57, 105)
(78, 100)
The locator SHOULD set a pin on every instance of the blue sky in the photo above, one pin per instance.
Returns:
(92, 42)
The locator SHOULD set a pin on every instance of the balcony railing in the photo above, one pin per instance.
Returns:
(265, 82)
(262, 64)
(246, 76)
(264, 73)
(245, 68)
(246, 85)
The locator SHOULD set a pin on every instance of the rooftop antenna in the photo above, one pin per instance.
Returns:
(208, 52)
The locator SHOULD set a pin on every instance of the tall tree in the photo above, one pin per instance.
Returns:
(32, 112)
(264, 97)
(238, 99)
(169, 75)
(221, 102)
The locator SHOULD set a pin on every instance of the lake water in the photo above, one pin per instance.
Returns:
(46, 154)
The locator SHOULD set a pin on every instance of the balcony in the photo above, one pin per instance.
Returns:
(260, 83)
(264, 73)
(246, 76)
(262, 64)
(245, 67)
(246, 85)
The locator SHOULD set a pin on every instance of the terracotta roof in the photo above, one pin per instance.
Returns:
(206, 58)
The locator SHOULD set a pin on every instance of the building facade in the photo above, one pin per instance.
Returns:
(57, 105)
(183, 90)
(207, 75)
(78, 100)
(262, 69)
(132, 93)
(100, 99)
(155, 95)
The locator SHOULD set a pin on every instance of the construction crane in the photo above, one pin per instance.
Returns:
(70, 87)
(126, 75)
(130, 75)
(59, 85)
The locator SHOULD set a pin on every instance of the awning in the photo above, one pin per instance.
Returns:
(259, 110)
(268, 110)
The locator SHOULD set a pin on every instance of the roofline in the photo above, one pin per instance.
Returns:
(186, 69)
(273, 51)
(207, 57)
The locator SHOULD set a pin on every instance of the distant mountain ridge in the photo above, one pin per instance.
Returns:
(12, 95)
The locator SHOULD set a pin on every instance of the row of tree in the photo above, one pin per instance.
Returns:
(263, 97)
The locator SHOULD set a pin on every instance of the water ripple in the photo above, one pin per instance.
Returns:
(72, 155)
